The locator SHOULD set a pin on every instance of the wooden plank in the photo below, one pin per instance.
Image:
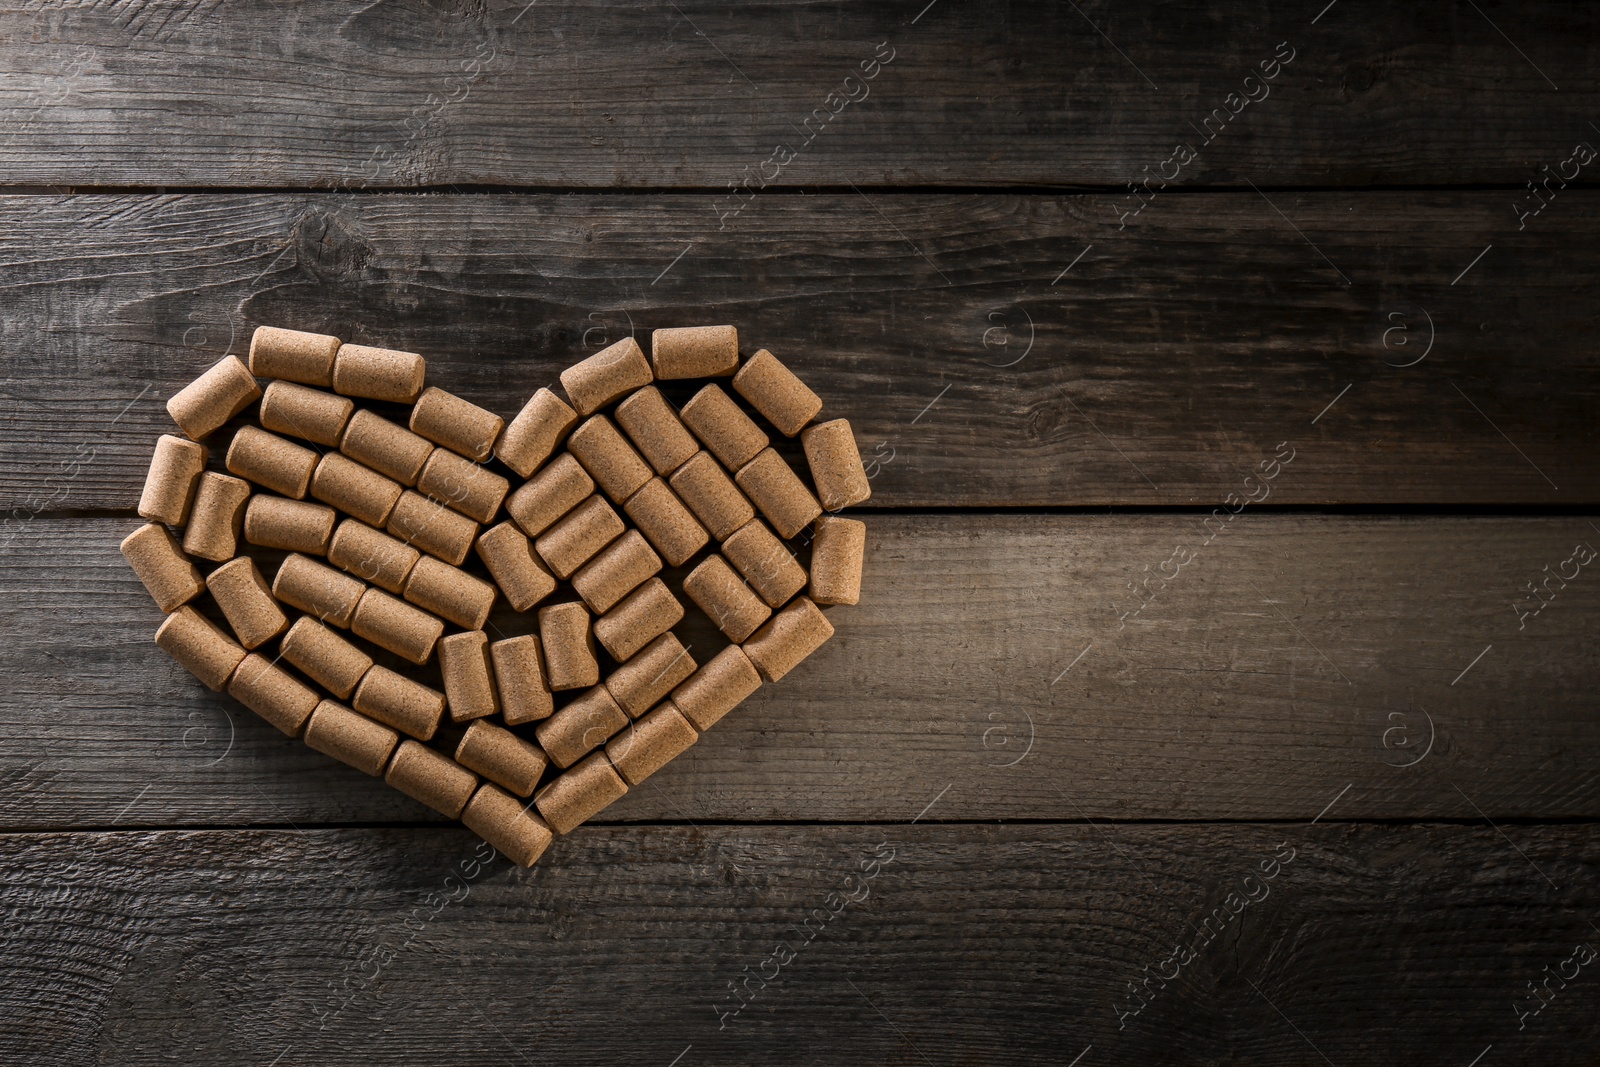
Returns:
(1292, 662)
(1163, 367)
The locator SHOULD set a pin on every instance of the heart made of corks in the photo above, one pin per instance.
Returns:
(576, 510)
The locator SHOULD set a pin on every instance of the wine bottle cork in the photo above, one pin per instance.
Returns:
(788, 638)
(656, 429)
(203, 650)
(269, 460)
(217, 517)
(273, 693)
(836, 467)
(609, 459)
(390, 623)
(639, 684)
(378, 373)
(500, 819)
(639, 618)
(246, 602)
(502, 757)
(662, 518)
(309, 414)
(537, 431)
(437, 781)
(837, 550)
(729, 433)
(293, 355)
(775, 391)
(517, 570)
(355, 490)
(372, 555)
(292, 525)
(580, 727)
(462, 484)
(468, 676)
(432, 527)
(614, 371)
(574, 540)
(205, 404)
(654, 741)
(170, 486)
(397, 701)
(391, 450)
(457, 424)
(325, 657)
(166, 572)
(318, 590)
(334, 730)
(694, 351)
(450, 592)
(519, 679)
(717, 688)
(580, 794)
(568, 646)
(766, 564)
(556, 490)
(723, 596)
(616, 571)
(777, 490)
(702, 484)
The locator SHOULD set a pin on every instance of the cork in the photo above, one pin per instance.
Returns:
(516, 569)
(639, 684)
(292, 525)
(573, 541)
(378, 373)
(580, 727)
(271, 461)
(205, 404)
(174, 475)
(519, 679)
(205, 651)
(836, 468)
(774, 487)
(722, 595)
(609, 459)
(728, 432)
(556, 490)
(837, 550)
(391, 450)
(325, 657)
(408, 632)
(437, 781)
(335, 730)
(717, 688)
(766, 564)
(775, 391)
(580, 794)
(397, 701)
(309, 414)
(537, 431)
(702, 484)
(614, 371)
(457, 424)
(432, 527)
(217, 517)
(661, 517)
(166, 572)
(694, 351)
(654, 741)
(462, 484)
(616, 571)
(355, 490)
(372, 555)
(568, 646)
(500, 819)
(293, 355)
(468, 676)
(788, 637)
(655, 428)
(273, 693)
(246, 602)
(450, 593)
(317, 589)
(640, 617)
(502, 757)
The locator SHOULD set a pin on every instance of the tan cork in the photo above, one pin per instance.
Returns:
(271, 461)
(395, 700)
(457, 424)
(355, 490)
(500, 819)
(203, 650)
(553, 492)
(292, 525)
(614, 371)
(640, 617)
(702, 484)
(537, 431)
(437, 781)
(463, 485)
(656, 430)
(317, 589)
(616, 571)
(766, 564)
(325, 657)
(519, 679)
(516, 568)
(293, 355)
(639, 684)
(580, 794)
(729, 433)
(169, 488)
(725, 598)
(217, 517)
(580, 727)
(432, 527)
(450, 593)
(836, 468)
(717, 688)
(386, 447)
(246, 602)
(378, 373)
(309, 414)
(654, 741)
(775, 391)
(502, 757)
(273, 693)
(609, 459)
(387, 622)
(568, 646)
(205, 404)
(335, 730)
(837, 551)
(372, 555)
(169, 575)
(788, 638)
(777, 490)
(574, 540)
(468, 678)
(694, 351)
(664, 519)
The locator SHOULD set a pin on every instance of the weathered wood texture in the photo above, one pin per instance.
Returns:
(1161, 369)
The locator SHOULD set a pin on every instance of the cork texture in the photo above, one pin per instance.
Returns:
(206, 404)
(655, 740)
(378, 373)
(291, 525)
(612, 372)
(309, 414)
(725, 681)
(324, 657)
(655, 430)
(293, 355)
(519, 678)
(172, 481)
(170, 576)
(456, 424)
(271, 461)
(580, 794)
(551, 494)
(585, 724)
(537, 431)
(694, 351)
(353, 739)
(729, 434)
(775, 391)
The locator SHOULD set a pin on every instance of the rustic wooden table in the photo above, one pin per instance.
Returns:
(1224, 686)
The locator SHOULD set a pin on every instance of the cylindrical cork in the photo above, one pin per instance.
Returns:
(378, 373)
(835, 461)
(462, 484)
(580, 794)
(166, 572)
(661, 517)
(654, 741)
(293, 525)
(538, 430)
(641, 682)
(778, 491)
(243, 596)
(723, 596)
(169, 488)
(729, 433)
(450, 592)
(717, 688)
(502, 757)
(616, 571)
(354, 489)
(293, 355)
(468, 677)
(437, 781)
(205, 404)
(457, 424)
(432, 527)
(573, 541)
(408, 632)
(656, 429)
(383, 446)
(556, 490)
(836, 554)
(273, 693)
(568, 646)
(309, 414)
(614, 371)
(775, 391)
(335, 730)
(519, 679)
(372, 555)
(205, 651)
(217, 517)
(325, 657)
(580, 727)
(766, 564)
(318, 590)
(395, 700)
(500, 819)
(788, 637)
(517, 570)
(711, 495)
(609, 459)
(640, 617)
(269, 460)
(694, 351)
